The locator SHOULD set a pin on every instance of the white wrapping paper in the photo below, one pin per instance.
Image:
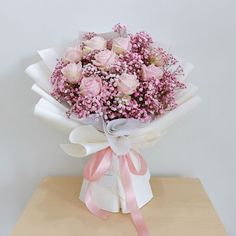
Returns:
(85, 139)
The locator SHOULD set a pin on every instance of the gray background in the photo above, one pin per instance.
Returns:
(200, 145)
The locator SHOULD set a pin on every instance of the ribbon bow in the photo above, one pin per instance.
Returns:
(98, 165)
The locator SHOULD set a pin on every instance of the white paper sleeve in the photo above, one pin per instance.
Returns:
(49, 57)
(51, 114)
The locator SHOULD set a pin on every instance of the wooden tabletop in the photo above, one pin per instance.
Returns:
(180, 207)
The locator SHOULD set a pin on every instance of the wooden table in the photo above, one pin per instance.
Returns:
(180, 208)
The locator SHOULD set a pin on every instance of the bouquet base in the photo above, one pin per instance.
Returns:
(112, 198)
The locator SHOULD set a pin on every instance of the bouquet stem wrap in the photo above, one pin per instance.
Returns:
(98, 165)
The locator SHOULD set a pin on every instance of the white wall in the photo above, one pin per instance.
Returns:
(200, 145)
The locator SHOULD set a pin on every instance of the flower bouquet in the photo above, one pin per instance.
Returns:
(114, 93)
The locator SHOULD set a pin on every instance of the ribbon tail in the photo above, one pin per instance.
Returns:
(93, 171)
(136, 215)
(92, 207)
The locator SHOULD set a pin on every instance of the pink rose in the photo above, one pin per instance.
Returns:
(152, 71)
(95, 43)
(127, 83)
(72, 72)
(121, 44)
(73, 54)
(104, 59)
(91, 86)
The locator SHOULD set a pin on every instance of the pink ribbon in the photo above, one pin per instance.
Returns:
(98, 165)
(93, 171)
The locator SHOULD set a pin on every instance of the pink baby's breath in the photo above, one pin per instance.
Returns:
(151, 98)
